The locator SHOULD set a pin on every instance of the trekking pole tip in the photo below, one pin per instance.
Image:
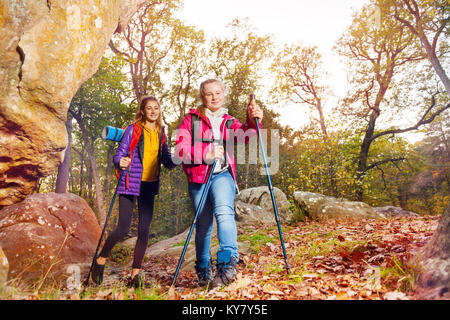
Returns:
(288, 268)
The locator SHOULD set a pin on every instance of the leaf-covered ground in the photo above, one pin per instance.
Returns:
(346, 259)
(368, 259)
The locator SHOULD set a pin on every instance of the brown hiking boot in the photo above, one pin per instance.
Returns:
(226, 269)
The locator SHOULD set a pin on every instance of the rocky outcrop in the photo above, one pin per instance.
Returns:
(318, 206)
(434, 281)
(391, 211)
(4, 267)
(254, 206)
(47, 232)
(47, 50)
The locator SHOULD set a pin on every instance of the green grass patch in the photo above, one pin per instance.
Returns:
(179, 244)
(257, 240)
(401, 273)
(121, 254)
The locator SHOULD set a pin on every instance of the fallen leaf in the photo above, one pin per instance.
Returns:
(270, 289)
(342, 295)
(395, 295)
(74, 296)
(172, 294)
(310, 276)
(221, 294)
(239, 283)
(344, 253)
(357, 256)
(102, 294)
(247, 294)
(119, 295)
(351, 293)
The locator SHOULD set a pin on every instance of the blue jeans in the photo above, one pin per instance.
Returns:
(219, 203)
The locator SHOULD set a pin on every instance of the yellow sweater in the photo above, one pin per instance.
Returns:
(151, 148)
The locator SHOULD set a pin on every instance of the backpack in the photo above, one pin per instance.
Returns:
(137, 131)
(195, 123)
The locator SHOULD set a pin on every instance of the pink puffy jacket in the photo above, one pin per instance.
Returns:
(193, 155)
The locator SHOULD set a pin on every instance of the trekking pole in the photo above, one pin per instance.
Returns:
(269, 182)
(199, 209)
(86, 282)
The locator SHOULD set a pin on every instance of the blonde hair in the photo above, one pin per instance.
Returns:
(139, 117)
(201, 108)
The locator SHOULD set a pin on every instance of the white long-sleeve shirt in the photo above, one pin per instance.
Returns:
(216, 120)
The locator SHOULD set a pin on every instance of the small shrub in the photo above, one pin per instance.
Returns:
(121, 254)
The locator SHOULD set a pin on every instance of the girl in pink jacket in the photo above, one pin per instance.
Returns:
(200, 140)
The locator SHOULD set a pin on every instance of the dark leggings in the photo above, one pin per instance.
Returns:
(145, 200)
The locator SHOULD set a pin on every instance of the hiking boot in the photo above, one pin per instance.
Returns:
(205, 275)
(97, 272)
(226, 269)
(138, 281)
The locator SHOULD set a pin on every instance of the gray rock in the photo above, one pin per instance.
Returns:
(318, 206)
(391, 211)
(254, 205)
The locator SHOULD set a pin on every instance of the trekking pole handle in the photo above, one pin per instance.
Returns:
(252, 99)
(252, 102)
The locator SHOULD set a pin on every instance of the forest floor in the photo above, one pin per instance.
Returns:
(334, 259)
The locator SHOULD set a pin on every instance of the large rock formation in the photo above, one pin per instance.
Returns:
(434, 281)
(254, 206)
(391, 211)
(48, 48)
(318, 206)
(4, 267)
(48, 232)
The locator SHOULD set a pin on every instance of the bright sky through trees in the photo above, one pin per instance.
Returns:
(311, 23)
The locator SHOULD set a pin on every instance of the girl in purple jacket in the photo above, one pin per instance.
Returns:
(147, 139)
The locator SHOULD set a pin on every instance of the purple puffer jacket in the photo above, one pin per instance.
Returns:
(135, 169)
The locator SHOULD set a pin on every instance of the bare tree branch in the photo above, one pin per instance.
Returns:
(423, 120)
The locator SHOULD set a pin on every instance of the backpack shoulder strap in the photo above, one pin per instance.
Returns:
(137, 130)
(229, 123)
(163, 136)
(194, 119)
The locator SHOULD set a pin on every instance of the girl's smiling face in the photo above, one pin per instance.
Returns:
(213, 96)
(152, 111)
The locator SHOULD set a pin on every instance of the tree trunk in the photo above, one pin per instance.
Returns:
(403, 195)
(431, 53)
(89, 185)
(332, 162)
(108, 172)
(98, 188)
(63, 169)
(434, 282)
(81, 155)
(439, 69)
(363, 154)
(323, 127)
(429, 46)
